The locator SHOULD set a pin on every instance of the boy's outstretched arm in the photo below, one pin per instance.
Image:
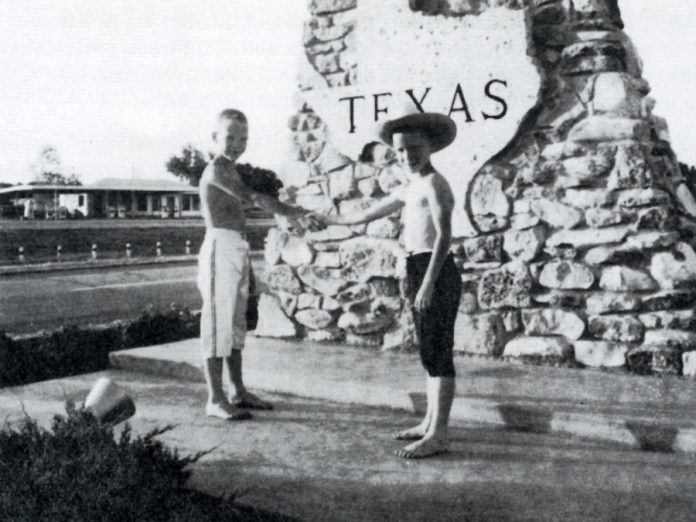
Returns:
(441, 203)
(382, 208)
(237, 189)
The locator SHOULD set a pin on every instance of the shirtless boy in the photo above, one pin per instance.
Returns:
(433, 281)
(223, 267)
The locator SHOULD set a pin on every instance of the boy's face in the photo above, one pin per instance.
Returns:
(412, 151)
(231, 138)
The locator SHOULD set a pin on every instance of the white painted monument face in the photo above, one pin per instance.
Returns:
(474, 68)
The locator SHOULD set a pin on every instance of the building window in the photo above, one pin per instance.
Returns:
(156, 204)
(186, 203)
(80, 200)
(141, 201)
(195, 202)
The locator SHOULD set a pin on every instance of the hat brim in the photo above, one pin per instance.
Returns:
(438, 128)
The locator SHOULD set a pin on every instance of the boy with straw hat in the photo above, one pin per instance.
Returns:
(433, 281)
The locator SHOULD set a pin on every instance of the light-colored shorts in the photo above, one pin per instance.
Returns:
(223, 280)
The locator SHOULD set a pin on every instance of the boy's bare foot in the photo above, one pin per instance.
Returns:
(251, 401)
(424, 448)
(226, 411)
(416, 433)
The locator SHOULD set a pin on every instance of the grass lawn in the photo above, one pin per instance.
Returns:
(76, 238)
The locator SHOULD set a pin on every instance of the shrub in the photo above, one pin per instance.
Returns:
(73, 350)
(79, 471)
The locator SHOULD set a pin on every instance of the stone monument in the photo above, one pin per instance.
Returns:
(574, 226)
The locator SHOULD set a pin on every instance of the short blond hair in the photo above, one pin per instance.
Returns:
(232, 115)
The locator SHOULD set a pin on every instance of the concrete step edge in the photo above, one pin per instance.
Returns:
(633, 431)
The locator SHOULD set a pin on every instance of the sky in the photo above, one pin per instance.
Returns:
(118, 86)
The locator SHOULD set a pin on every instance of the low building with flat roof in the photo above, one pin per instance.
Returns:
(107, 198)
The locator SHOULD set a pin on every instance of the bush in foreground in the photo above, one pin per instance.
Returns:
(79, 471)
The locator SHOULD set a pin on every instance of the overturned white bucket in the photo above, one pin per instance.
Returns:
(109, 403)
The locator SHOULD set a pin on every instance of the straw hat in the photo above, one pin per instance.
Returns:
(438, 128)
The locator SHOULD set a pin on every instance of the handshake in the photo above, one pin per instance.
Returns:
(305, 220)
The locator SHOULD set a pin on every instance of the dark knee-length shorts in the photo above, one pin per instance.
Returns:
(435, 326)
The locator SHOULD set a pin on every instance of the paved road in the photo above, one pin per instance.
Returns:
(38, 301)
(321, 461)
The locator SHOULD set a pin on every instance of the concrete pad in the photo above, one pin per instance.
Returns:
(596, 404)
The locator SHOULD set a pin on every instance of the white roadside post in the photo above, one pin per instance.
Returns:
(188, 247)
(21, 254)
(159, 249)
(129, 251)
(59, 253)
(94, 252)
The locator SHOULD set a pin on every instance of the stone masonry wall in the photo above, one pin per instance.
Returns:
(584, 226)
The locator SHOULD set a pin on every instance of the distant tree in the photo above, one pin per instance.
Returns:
(5, 185)
(191, 162)
(48, 169)
(189, 165)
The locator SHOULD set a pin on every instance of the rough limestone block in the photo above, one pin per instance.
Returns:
(294, 173)
(600, 354)
(607, 128)
(685, 341)
(326, 281)
(553, 322)
(368, 257)
(566, 275)
(369, 187)
(364, 323)
(367, 341)
(642, 198)
(642, 241)
(631, 169)
(281, 278)
(588, 237)
(314, 319)
(603, 217)
(330, 233)
(274, 243)
(342, 185)
(330, 335)
(672, 273)
(539, 347)
(385, 228)
(588, 198)
(607, 303)
(384, 287)
(561, 299)
(660, 360)
(624, 279)
(488, 197)
(656, 218)
(328, 259)
(482, 334)
(508, 286)
(673, 319)
(524, 244)
(272, 320)
(402, 335)
(330, 304)
(297, 252)
(524, 220)
(616, 93)
(484, 249)
(355, 297)
(305, 301)
(584, 168)
(617, 328)
(689, 364)
(686, 199)
(667, 300)
(557, 214)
